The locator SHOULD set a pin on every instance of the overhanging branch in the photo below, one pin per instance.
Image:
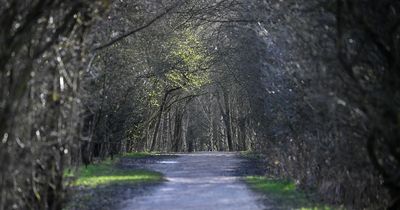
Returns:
(123, 36)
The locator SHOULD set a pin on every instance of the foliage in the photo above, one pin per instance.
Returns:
(191, 57)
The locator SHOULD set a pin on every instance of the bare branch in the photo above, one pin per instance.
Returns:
(119, 38)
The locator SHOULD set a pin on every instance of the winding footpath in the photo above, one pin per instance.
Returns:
(199, 181)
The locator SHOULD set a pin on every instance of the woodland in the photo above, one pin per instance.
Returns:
(312, 85)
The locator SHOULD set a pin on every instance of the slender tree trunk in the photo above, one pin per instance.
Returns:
(242, 133)
(157, 126)
(159, 115)
(226, 116)
(177, 130)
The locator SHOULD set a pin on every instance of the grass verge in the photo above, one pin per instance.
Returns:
(284, 193)
(106, 173)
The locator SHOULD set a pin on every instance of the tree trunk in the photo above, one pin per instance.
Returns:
(242, 133)
(159, 115)
(226, 116)
(177, 130)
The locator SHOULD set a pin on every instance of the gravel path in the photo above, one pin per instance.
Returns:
(198, 181)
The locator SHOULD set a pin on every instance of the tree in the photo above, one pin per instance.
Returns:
(41, 56)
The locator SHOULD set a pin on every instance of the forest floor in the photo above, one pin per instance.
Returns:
(206, 180)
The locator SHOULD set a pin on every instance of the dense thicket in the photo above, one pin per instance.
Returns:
(313, 85)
